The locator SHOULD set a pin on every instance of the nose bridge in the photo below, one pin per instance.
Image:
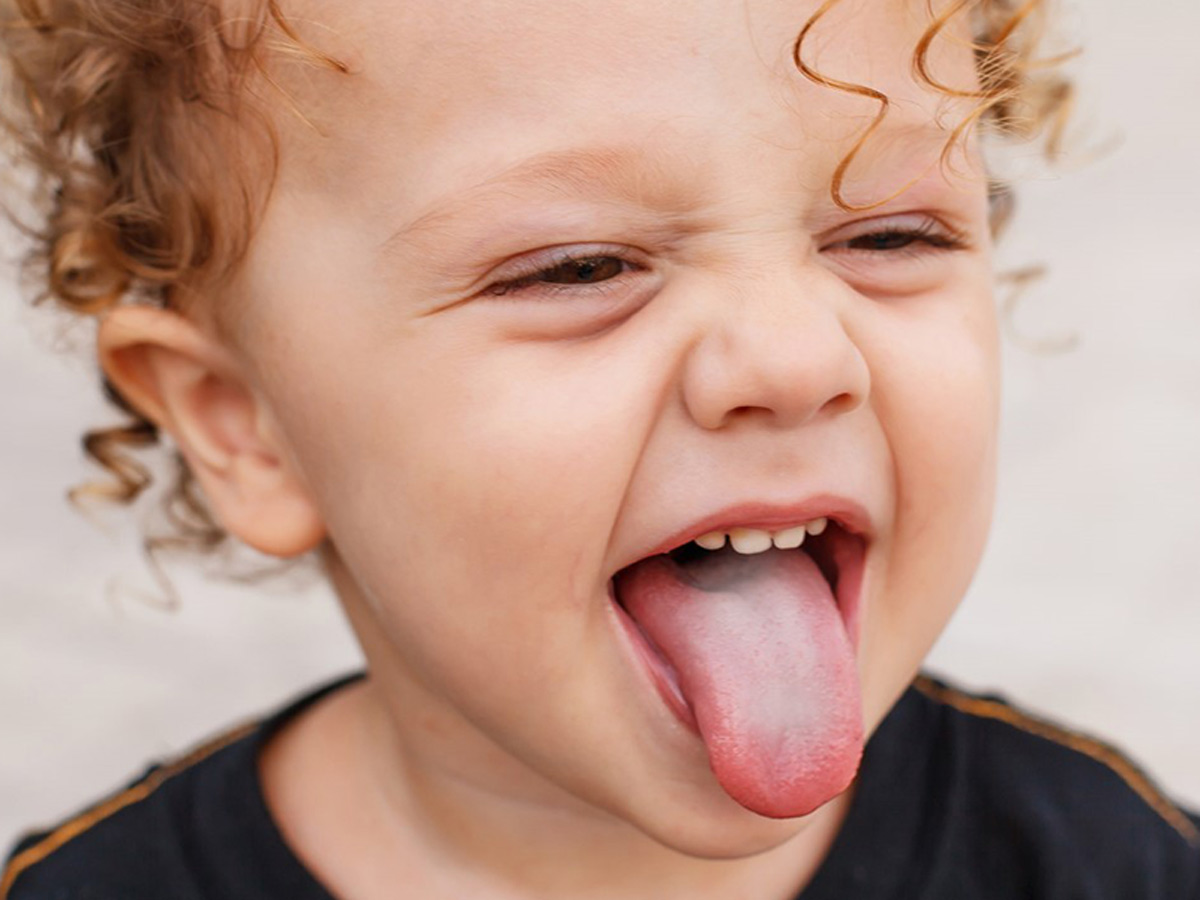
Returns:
(776, 348)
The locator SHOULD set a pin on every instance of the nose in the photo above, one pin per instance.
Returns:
(779, 353)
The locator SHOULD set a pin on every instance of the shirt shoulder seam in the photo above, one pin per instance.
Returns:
(94, 815)
(1107, 755)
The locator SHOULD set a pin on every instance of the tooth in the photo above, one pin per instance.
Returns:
(816, 526)
(790, 539)
(713, 540)
(750, 540)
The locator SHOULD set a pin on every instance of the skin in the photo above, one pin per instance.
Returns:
(474, 462)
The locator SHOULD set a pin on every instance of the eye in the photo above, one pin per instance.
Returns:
(899, 236)
(900, 255)
(563, 271)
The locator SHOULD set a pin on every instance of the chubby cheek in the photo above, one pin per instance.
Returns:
(469, 491)
(936, 392)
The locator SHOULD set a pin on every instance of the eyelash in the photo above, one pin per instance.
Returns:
(561, 260)
(928, 236)
(930, 233)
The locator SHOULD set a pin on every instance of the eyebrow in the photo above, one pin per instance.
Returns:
(647, 178)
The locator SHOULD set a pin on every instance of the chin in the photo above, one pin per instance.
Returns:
(718, 828)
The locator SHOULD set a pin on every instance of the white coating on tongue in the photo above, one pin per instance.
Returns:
(764, 660)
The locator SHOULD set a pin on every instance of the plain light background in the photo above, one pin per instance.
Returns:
(1086, 606)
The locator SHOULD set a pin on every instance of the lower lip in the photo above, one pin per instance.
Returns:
(662, 673)
(851, 570)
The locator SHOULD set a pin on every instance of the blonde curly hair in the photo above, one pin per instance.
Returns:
(112, 107)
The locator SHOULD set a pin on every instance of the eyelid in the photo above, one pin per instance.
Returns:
(549, 257)
(530, 265)
(918, 223)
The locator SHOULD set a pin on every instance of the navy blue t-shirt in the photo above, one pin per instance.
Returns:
(959, 798)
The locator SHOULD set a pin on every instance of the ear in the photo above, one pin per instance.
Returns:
(191, 387)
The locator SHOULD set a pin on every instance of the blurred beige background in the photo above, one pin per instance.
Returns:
(1087, 606)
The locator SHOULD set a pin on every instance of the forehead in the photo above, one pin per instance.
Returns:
(454, 108)
(493, 81)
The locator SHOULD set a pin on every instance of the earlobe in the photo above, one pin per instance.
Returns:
(186, 382)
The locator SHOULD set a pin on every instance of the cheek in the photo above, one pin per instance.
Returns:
(469, 493)
(937, 398)
(942, 420)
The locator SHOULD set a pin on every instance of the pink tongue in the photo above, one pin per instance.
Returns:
(765, 663)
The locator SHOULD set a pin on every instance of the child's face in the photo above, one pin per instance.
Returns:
(489, 446)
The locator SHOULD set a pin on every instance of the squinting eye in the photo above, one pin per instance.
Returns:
(886, 240)
(897, 237)
(582, 271)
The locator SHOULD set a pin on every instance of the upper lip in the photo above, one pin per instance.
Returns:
(848, 514)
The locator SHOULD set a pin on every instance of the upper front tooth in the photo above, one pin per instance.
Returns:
(750, 540)
(791, 538)
(713, 540)
(817, 526)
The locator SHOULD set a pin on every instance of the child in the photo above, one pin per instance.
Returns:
(632, 368)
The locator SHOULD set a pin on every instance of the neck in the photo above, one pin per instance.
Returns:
(424, 798)
(410, 816)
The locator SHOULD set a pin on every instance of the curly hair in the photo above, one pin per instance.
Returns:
(117, 108)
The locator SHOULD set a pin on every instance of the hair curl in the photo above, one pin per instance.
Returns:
(123, 110)
(125, 113)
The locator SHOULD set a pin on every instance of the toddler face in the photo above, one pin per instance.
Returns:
(561, 287)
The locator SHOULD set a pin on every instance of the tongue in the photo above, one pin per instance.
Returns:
(765, 663)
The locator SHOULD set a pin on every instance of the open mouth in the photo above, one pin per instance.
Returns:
(837, 551)
(715, 559)
(750, 636)
(836, 548)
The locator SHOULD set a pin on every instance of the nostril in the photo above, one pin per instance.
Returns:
(742, 412)
(842, 403)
